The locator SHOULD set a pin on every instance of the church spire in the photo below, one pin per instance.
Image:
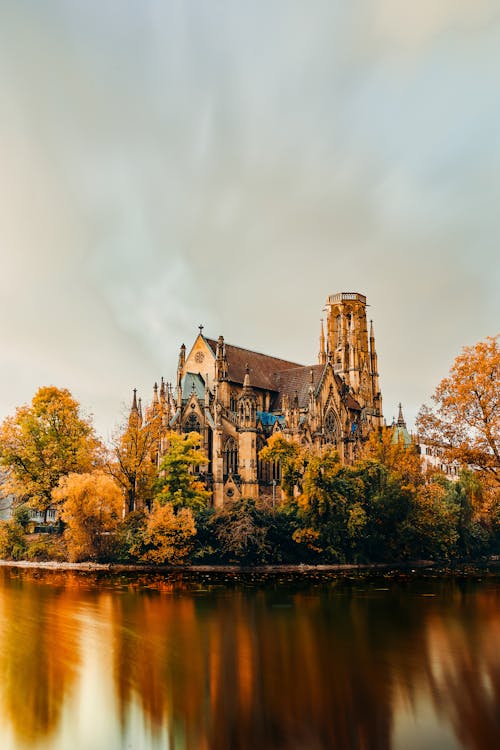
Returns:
(134, 418)
(401, 420)
(322, 350)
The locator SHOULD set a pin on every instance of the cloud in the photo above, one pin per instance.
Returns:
(165, 165)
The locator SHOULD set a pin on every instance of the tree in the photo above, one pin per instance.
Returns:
(92, 508)
(465, 420)
(176, 483)
(241, 531)
(133, 460)
(403, 462)
(169, 535)
(290, 457)
(44, 441)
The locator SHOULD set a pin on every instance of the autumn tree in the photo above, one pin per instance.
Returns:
(177, 484)
(169, 534)
(402, 461)
(465, 418)
(44, 441)
(92, 508)
(133, 459)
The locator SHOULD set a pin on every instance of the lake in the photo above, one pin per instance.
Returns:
(90, 662)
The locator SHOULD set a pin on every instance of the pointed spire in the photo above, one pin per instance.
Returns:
(322, 350)
(401, 420)
(134, 418)
(162, 390)
(134, 401)
(372, 335)
(155, 393)
(139, 409)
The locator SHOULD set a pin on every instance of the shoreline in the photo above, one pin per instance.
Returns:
(412, 567)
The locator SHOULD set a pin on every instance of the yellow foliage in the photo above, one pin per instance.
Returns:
(133, 460)
(44, 441)
(170, 534)
(403, 461)
(308, 537)
(92, 510)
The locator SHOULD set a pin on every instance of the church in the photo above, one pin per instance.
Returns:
(236, 398)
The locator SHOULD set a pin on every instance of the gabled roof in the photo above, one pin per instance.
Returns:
(262, 366)
(192, 382)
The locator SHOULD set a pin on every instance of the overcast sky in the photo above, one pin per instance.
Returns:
(169, 163)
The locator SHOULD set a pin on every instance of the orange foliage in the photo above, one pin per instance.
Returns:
(466, 417)
(92, 509)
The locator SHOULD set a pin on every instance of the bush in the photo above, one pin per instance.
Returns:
(12, 540)
(47, 548)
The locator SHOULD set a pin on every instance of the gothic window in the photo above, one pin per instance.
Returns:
(332, 429)
(192, 424)
(230, 457)
(338, 330)
(232, 402)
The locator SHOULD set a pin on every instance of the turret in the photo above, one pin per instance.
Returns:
(220, 360)
(247, 404)
(247, 423)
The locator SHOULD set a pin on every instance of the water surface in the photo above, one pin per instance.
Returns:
(91, 663)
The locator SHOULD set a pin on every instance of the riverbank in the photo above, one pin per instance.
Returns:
(431, 567)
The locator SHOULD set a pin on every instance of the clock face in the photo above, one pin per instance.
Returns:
(199, 357)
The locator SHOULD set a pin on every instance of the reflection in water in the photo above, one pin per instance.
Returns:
(330, 665)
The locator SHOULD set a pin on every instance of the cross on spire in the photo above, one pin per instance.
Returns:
(201, 327)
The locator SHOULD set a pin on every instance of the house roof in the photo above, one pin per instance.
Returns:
(262, 366)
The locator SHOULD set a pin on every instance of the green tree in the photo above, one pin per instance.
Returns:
(291, 459)
(44, 441)
(177, 484)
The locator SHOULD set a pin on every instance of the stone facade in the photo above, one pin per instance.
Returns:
(236, 398)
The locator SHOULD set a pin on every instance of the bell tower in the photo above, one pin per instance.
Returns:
(351, 351)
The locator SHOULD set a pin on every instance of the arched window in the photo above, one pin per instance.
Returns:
(230, 457)
(332, 427)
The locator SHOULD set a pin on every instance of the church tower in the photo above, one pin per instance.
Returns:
(352, 352)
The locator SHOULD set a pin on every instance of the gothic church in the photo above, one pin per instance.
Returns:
(236, 398)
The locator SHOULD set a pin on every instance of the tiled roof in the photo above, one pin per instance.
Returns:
(262, 366)
(297, 379)
(277, 375)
